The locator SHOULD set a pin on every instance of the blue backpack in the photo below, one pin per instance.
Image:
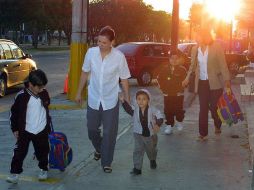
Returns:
(60, 153)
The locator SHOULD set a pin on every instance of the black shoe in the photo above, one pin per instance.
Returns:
(97, 156)
(153, 164)
(135, 172)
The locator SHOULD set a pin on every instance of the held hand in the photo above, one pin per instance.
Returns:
(127, 98)
(228, 87)
(185, 82)
(156, 128)
(16, 134)
(121, 97)
(228, 90)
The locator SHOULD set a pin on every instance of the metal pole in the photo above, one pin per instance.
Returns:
(79, 44)
(175, 26)
(231, 34)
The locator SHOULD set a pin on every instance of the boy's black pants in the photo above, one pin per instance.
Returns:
(41, 147)
(173, 107)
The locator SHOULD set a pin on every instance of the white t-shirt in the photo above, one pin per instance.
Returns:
(35, 115)
(103, 86)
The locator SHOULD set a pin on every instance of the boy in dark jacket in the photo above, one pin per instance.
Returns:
(170, 82)
(30, 121)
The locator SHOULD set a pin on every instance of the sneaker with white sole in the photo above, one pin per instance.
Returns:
(179, 126)
(13, 178)
(43, 175)
(168, 130)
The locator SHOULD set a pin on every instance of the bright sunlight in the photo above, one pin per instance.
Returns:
(223, 9)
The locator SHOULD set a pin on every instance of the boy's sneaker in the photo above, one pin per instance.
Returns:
(135, 172)
(13, 178)
(179, 126)
(43, 175)
(153, 164)
(97, 156)
(168, 130)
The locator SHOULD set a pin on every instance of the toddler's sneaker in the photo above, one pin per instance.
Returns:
(13, 178)
(168, 130)
(153, 164)
(43, 175)
(179, 126)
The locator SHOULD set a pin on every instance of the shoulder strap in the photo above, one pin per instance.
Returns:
(51, 125)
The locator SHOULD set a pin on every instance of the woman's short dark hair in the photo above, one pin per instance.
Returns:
(108, 32)
(37, 78)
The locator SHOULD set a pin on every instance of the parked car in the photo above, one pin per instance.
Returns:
(15, 65)
(145, 59)
(234, 61)
(249, 54)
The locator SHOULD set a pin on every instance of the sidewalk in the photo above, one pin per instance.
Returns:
(221, 163)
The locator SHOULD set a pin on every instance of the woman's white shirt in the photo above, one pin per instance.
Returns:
(202, 61)
(103, 86)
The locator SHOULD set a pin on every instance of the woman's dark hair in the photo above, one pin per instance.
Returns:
(37, 78)
(141, 92)
(108, 32)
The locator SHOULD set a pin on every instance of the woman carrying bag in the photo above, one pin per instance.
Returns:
(211, 76)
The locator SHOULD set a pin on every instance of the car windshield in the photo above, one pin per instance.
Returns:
(128, 49)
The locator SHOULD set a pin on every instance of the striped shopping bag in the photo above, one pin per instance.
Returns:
(228, 109)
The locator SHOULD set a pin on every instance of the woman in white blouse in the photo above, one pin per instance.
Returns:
(105, 65)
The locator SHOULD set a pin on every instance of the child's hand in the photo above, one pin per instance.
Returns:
(16, 134)
(156, 128)
(121, 97)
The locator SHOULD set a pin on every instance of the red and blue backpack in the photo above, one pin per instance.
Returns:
(60, 153)
(229, 110)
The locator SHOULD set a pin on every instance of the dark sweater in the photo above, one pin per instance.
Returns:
(170, 80)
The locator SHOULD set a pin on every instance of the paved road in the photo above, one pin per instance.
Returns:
(55, 64)
(221, 163)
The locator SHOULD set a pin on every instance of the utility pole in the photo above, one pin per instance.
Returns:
(79, 44)
(175, 26)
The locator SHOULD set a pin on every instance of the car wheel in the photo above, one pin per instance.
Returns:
(3, 87)
(145, 78)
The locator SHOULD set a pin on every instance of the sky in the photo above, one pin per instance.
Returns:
(219, 9)
(166, 5)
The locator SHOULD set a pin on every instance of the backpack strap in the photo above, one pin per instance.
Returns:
(51, 125)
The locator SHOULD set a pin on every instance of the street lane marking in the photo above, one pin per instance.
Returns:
(55, 107)
(4, 109)
(32, 179)
(66, 107)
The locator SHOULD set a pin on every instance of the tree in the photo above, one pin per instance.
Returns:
(195, 14)
(132, 20)
(10, 17)
(59, 14)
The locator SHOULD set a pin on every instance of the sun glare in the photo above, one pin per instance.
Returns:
(225, 10)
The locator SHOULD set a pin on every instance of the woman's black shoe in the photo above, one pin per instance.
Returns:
(153, 164)
(135, 172)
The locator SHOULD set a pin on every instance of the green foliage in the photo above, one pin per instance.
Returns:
(132, 20)
(195, 15)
